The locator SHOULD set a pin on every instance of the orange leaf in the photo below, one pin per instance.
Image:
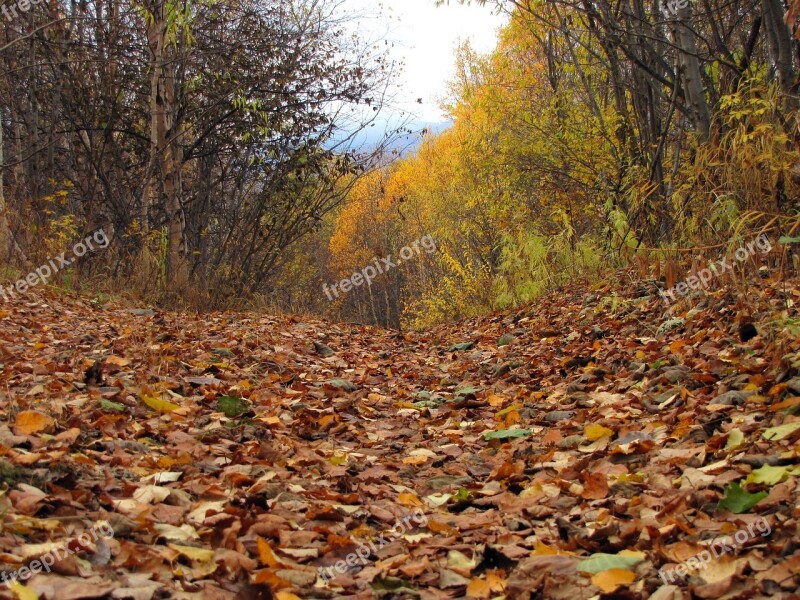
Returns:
(596, 486)
(512, 418)
(496, 581)
(677, 345)
(478, 588)
(407, 499)
(552, 437)
(610, 580)
(541, 549)
(270, 578)
(32, 421)
(326, 419)
(788, 403)
(495, 400)
(266, 554)
(118, 361)
(438, 527)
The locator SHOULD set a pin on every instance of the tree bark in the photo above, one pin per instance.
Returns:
(165, 152)
(689, 62)
(5, 231)
(779, 43)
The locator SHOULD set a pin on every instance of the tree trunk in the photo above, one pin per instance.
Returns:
(779, 43)
(5, 231)
(165, 187)
(689, 62)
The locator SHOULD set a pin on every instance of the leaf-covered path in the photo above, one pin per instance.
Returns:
(565, 450)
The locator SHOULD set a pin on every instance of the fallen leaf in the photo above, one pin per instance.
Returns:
(599, 562)
(738, 500)
(29, 422)
(158, 404)
(610, 580)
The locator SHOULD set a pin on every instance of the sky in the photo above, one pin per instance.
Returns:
(425, 38)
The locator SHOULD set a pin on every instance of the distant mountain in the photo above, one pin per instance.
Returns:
(404, 142)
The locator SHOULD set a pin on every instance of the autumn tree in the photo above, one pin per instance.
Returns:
(663, 69)
(207, 136)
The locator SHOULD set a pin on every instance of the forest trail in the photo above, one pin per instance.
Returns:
(565, 449)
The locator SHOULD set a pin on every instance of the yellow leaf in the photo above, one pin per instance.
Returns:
(735, 439)
(266, 554)
(338, 459)
(159, 405)
(194, 554)
(286, 596)
(596, 432)
(781, 431)
(458, 561)
(32, 421)
(610, 580)
(510, 409)
(22, 592)
(407, 499)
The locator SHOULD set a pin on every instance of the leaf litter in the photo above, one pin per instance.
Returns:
(235, 456)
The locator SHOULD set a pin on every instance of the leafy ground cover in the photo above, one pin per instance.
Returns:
(568, 449)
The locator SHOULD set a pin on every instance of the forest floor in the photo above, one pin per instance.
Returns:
(594, 443)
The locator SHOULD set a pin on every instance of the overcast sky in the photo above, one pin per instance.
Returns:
(424, 39)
